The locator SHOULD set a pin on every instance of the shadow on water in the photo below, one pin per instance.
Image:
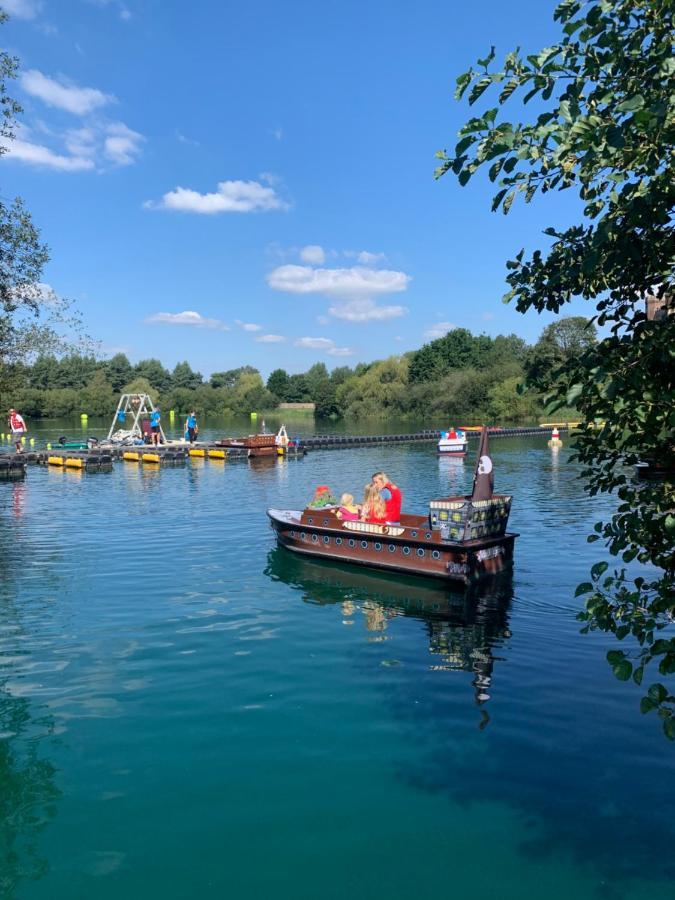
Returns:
(463, 625)
(28, 791)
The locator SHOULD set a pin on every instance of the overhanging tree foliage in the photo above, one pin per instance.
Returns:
(607, 88)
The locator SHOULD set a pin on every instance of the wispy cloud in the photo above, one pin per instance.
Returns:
(86, 148)
(366, 311)
(278, 133)
(38, 155)
(22, 9)
(325, 344)
(313, 254)
(487, 316)
(188, 317)
(270, 339)
(184, 139)
(438, 330)
(248, 326)
(77, 100)
(365, 257)
(121, 145)
(229, 196)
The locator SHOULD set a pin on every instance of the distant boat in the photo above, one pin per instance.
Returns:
(460, 539)
(453, 443)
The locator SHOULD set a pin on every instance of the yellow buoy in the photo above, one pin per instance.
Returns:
(56, 460)
(49, 446)
(75, 464)
(151, 458)
(131, 456)
(196, 451)
(217, 454)
(32, 442)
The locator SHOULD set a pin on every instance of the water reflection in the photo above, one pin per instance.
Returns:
(464, 627)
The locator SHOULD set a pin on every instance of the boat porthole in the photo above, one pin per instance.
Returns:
(378, 547)
(303, 536)
(392, 548)
(420, 551)
(315, 538)
(310, 520)
(325, 521)
(413, 534)
(435, 554)
(292, 534)
(428, 535)
(406, 551)
(338, 541)
(364, 545)
(326, 539)
(352, 542)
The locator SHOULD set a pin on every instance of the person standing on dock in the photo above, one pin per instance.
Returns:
(391, 494)
(155, 419)
(191, 427)
(18, 428)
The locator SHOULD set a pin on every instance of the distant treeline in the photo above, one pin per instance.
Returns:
(457, 376)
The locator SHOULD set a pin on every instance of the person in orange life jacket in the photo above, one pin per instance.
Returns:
(373, 509)
(391, 495)
(18, 428)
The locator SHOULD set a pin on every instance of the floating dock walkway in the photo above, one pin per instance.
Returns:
(101, 458)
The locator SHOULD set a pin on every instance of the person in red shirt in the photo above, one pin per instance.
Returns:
(18, 428)
(391, 495)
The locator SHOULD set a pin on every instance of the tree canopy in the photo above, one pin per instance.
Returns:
(604, 127)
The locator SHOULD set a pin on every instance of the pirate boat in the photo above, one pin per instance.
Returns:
(453, 443)
(461, 538)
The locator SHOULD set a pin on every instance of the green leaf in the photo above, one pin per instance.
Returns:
(631, 104)
(647, 705)
(669, 728)
(585, 588)
(622, 670)
(598, 568)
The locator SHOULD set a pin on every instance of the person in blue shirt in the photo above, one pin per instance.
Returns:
(155, 419)
(191, 427)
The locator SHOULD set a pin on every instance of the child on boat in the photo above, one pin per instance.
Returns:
(348, 511)
(373, 508)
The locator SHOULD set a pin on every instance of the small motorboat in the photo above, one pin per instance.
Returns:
(453, 442)
(459, 539)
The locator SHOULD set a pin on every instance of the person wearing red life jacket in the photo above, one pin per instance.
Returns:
(391, 494)
(18, 428)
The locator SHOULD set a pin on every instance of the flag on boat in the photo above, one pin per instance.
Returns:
(483, 479)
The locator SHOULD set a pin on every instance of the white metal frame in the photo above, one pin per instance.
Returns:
(136, 405)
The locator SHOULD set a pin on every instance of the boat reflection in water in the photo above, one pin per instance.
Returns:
(464, 626)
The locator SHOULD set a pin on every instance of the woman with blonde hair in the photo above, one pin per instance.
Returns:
(373, 508)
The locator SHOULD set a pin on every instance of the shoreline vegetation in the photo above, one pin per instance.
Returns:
(457, 376)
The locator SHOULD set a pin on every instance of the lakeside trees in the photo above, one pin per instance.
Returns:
(605, 128)
(458, 376)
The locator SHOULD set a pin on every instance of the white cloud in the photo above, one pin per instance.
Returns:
(186, 140)
(343, 283)
(313, 254)
(487, 316)
(365, 257)
(311, 343)
(270, 338)
(22, 9)
(366, 311)
(230, 196)
(188, 317)
(39, 155)
(438, 330)
(277, 133)
(77, 100)
(248, 326)
(85, 147)
(122, 145)
(325, 344)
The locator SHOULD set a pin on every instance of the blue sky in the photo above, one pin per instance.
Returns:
(235, 183)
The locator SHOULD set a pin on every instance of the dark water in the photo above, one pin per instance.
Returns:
(186, 711)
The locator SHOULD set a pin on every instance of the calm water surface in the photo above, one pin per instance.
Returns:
(186, 711)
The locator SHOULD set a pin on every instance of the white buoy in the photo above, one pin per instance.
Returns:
(555, 439)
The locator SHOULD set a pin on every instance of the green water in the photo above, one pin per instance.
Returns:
(187, 711)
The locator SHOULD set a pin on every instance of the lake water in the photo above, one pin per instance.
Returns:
(187, 711)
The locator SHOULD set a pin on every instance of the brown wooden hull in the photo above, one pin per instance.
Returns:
(417, 550)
